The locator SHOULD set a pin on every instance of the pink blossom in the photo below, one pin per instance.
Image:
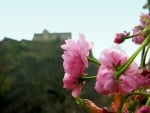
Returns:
(144, 78)
(140, 38)
(144, 109)
(132, 69)
(119, 38)
(113, 57)
(75, 62)
(145, 20)
(71, 82)
(75, 55)
(127, 84)
(129, 80)
(106, 83)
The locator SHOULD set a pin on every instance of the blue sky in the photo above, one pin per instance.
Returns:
(99, 20)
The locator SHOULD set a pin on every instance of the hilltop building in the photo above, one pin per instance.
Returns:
(46, 36)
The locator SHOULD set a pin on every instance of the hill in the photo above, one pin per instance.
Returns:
(31, 78)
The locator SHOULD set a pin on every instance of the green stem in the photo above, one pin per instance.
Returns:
(79, 101)
(130, 60)
(87, 78)
(148, 101)
(141, 33)
(144, 57)
(135, 35)
(139, 93)
(123, 99)
(93, 60)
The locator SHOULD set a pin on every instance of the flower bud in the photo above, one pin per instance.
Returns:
(119, 38)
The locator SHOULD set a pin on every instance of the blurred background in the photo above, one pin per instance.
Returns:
(31, 33)
(31, 75)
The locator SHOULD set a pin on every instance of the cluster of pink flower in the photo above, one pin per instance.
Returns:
(117, 73)
(137, 31)
(107, 83)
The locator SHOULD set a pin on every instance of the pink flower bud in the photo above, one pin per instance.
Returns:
(140, 38)
(119, 38)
